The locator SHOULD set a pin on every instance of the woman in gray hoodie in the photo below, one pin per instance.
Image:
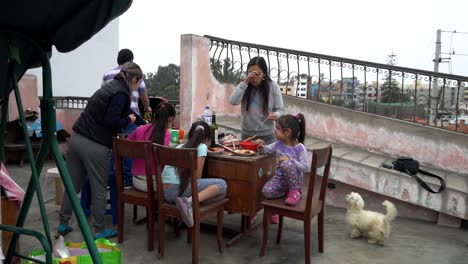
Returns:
(261, 102)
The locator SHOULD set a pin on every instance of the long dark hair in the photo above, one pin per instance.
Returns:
(199, 132)
(294, 122)
(161, 116)
(129, 71)
(263, 88)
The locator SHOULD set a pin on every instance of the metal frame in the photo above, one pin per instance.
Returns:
(49, 143)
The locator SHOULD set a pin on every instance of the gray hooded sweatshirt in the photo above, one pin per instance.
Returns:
(253, 120)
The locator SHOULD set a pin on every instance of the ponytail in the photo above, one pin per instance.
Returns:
(302, 127)
(199, 132)
(161, 116)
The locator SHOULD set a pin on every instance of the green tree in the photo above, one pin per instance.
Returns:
(391, 91)
(224, 71)
(165, 82)
(148, 78)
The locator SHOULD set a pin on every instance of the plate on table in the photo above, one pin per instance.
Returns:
(244, 152)
(215, 151)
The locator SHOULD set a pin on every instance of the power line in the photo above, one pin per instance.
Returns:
(450, 55)
(451, 50)
(454, 31)
(455, 54)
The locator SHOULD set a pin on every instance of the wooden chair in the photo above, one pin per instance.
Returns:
(311, 203)
(135, 150)
(184, 158)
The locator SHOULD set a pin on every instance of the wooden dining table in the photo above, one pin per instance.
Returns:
(245, 177)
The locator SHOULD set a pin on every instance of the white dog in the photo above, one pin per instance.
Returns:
(375, 226)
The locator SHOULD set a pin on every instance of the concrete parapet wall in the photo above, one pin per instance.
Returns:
(403, 187)
(431, 146)
(27, 86)
(354, 170)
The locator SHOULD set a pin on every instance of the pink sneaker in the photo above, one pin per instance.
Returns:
(275, 219)
(294, 196)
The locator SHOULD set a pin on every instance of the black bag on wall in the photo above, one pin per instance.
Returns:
(411, 167)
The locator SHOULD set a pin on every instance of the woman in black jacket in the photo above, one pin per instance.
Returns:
(107, 112)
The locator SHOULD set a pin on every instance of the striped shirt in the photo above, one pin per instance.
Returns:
(109, 76)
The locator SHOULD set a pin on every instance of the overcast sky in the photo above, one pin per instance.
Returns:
(359, 29)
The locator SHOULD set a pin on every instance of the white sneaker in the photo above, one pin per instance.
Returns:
(185, 208)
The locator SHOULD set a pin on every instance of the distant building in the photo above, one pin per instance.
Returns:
(370, 93)
(353, 90)
(287, 88)
(301, 83)
(463, 103)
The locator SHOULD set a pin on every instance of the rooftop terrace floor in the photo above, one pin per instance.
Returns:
(410, 242)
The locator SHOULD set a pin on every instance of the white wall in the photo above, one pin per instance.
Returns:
(79, 72)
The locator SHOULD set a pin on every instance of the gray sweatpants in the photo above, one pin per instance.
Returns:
(86, 158)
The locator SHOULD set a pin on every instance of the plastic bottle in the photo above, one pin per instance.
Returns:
(207, 116)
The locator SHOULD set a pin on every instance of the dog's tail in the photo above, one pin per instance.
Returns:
(391, 211)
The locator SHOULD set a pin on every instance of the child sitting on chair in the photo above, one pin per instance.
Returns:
(178, 188)
(156, 132)
(291, 162)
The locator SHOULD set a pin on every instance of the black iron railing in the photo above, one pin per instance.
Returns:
(420, 96)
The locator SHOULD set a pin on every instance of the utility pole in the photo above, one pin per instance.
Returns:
(435, 90)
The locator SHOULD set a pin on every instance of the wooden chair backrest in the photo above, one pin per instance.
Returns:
(135, 150)
(320, 158)
(182, 158)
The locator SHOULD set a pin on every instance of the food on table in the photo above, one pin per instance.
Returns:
(229, 140)
(216, 149)
(244, 152)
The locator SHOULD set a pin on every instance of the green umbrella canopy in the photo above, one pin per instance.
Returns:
(65, 24)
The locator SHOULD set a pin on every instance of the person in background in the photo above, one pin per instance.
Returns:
(126, 55)
(176, 182)
(107, 112)
(261, 102)
(291, 161)
(156, 132)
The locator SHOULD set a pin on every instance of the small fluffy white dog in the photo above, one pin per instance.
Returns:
(375, 226)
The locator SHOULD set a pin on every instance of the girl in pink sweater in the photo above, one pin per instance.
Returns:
(157, 132)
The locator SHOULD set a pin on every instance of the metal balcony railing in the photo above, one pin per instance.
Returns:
(419, 96)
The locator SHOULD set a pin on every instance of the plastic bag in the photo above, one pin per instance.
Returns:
(60, 250)
(12, 190)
